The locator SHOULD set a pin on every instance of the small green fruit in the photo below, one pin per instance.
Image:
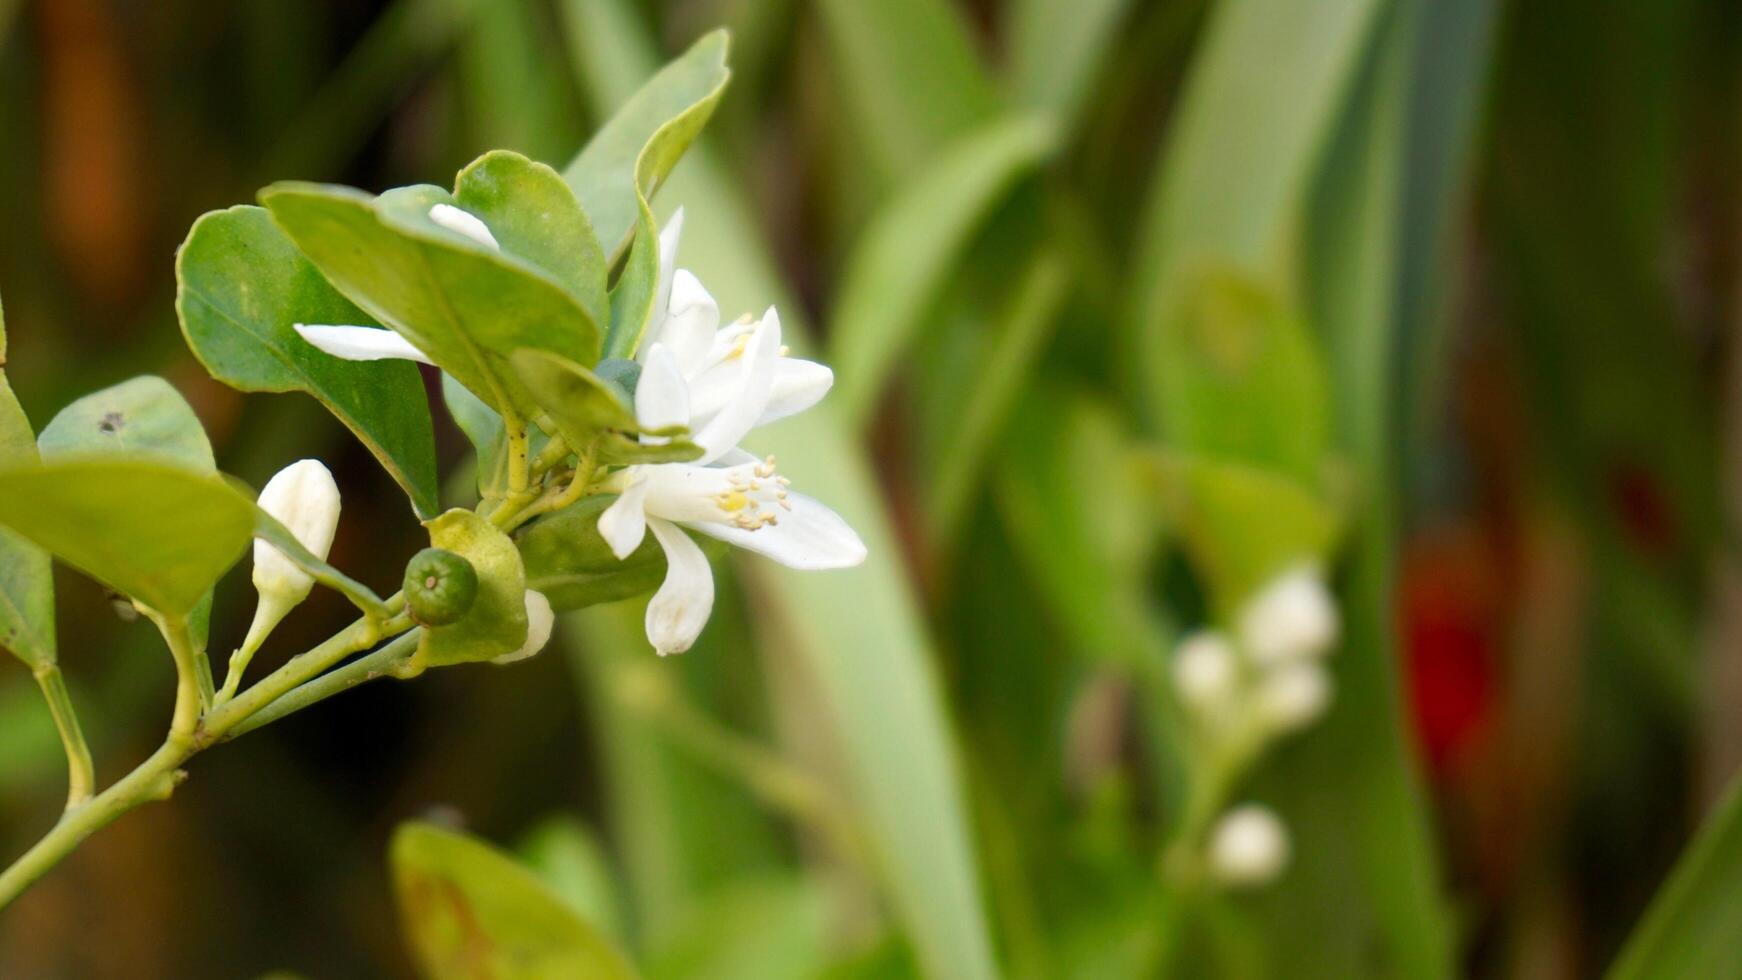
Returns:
(440, 586)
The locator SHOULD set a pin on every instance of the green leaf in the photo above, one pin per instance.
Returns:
(535, 216)
(1690, 930)
(1242, 525)
(241, 285)
(582, 404)
(496, 623)
(483, 429)
(911, 248)
(27, 626)
(574, 862)
(463, 305)
(141, 416)
(632, 298)
(158, 532)
(859, 631)
(1244, 381)
(470, 911)
(571, 564)
(629, 157)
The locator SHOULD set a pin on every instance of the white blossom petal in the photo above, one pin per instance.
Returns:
(756, 384)
(360, 343)
(624, 523)
(661, 397)
(798, 384)
(690, 323)
(464, 223)
(668, 239)
(808, 536)
(540, 619)
(679, 610)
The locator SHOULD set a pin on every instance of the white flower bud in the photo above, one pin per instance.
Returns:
(1293, 617)
(539, 622)
(1248, 846)
(304, 498)
(1204, 672)
(1293, 695)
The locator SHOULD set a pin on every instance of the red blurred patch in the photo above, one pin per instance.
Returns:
(1449, 614)
(1644, 511)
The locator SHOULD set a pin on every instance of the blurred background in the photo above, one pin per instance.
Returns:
(1512, 229)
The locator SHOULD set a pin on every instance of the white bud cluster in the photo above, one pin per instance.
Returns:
(1242, 690)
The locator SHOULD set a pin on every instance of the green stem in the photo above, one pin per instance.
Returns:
(81, 775)
(155, 779)
(382, 663)
(190, 693)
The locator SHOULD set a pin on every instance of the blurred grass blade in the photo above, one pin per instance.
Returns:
(992, 392)
(913, 78)
(912, 247)
(858, 629)
(1691, 928)
(1240, 151)
(1056, 48)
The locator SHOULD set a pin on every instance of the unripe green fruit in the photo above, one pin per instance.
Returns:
(440, 586)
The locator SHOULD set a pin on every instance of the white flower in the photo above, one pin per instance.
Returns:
(1206, 672)
(1294, 617)
(686, 322)
(727, 494)
(539, 622)
(375, 343)
(304, 498)
(1248, 846)
(1291, 696)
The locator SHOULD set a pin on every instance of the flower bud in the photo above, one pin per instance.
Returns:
(539, 621)
(1293, 617)
(1248, 846)
(304, 498)
(1204, 672)
(440, 587)
(1292, 696)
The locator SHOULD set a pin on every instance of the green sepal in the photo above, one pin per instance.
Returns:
(496, 623)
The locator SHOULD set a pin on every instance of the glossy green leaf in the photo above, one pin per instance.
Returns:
(155, 531)
(1690, 930)
(571, 564)
(629, 157)
(909, 250)
(483, 429)
(1244, 380)
(535, 216)
(592, 411)
(462, 304)
(470, 911)
(910, 74)
(858, 631)
(27, 626)
(241, 285)
(496, 623)
(633, 296)
(142, 416)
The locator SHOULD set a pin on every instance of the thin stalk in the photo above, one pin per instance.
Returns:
(382, 663)
(81, 774)
(191, 695)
